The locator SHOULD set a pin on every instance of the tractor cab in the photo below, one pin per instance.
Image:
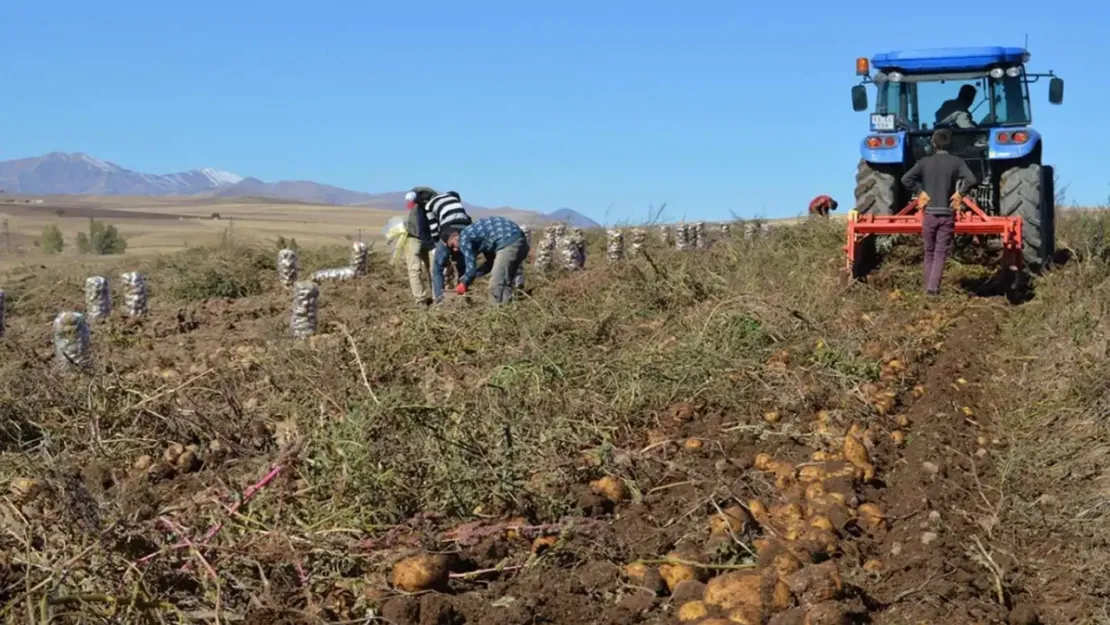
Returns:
(983, 94)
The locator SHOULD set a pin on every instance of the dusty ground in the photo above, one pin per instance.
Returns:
(635, 443)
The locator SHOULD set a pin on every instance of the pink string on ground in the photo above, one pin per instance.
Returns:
(247, 494)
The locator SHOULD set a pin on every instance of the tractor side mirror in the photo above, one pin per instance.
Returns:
(859, 98)
(1056, 90)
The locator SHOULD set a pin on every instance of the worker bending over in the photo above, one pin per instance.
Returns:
(822, 205)
(445, 211)
(496, 237)
(940, 181)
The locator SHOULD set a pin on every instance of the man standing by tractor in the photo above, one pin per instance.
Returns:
(939, 181)
(505, 247)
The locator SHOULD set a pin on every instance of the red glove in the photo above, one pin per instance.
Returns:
(461, 289)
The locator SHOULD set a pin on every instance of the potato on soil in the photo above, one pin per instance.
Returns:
(898, 437)
(873, 565)
(816, 583)
(173, 452)
(142, 463)
(759, 511)
(763, 461)
(733, 518)
(744, 615)
(187, 462)
(772, 416)
(611, 488)
(855, 452)
(420, 572)
(543, 543)
(693, 444)
(635, 571)
(780, 596)
(785, 564)
(692, 611)
(24, 488)
(870, 516)
(674, 573)
(734, 590)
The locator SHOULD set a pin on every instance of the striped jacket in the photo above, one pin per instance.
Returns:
(445, 209)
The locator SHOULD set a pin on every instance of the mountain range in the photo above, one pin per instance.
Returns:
(60, 173)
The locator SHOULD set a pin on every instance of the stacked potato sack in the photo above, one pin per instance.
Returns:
(288, 268)
(305, 298)
(681, 236)
(98, 298)
(359, 253)
(614, 245)
(546, 249)
(134, 293)
(639, 237)
(71, 341)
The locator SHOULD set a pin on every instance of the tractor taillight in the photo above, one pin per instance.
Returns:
(1003, 137)
(1020, 137)
(888, 142)
(874, 142)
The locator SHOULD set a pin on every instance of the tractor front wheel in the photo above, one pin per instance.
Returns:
(1027, 191)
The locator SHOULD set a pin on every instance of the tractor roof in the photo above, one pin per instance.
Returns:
(949, 59)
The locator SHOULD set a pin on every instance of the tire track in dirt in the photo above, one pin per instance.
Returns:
(945, 560)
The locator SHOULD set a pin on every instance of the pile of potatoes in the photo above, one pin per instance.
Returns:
(795, 579)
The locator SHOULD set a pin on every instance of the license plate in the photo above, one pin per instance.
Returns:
(882, 122)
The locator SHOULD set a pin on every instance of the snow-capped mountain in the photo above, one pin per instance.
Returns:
(61, 173)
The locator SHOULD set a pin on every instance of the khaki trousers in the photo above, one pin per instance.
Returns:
(419, 270)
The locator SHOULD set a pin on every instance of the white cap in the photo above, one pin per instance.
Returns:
(410, 196)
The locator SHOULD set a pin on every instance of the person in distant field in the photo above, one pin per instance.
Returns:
(822, 205)
(445, 211)
(957, 111)
(418, 243)
(939, 181)
(496, 237)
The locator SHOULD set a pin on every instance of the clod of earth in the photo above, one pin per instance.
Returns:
(816, 583)
(420, 572)
(730, 520)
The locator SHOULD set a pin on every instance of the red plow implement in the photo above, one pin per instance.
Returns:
(970, 220)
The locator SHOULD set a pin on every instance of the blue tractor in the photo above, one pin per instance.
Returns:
(982, 95)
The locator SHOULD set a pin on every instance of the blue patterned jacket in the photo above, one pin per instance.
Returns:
(485, 236)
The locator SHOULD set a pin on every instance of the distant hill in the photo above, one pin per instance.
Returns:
(572, 218)
(60, 173)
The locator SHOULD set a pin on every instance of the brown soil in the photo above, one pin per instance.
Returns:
(940, 556)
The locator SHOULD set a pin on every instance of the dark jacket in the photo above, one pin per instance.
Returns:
(940, 175)
(416, 222)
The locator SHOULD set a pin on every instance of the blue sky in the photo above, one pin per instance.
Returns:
(605, 107)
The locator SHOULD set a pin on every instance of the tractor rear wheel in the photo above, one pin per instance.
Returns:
(876, 188)
(876, 193)
(1027, 191)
